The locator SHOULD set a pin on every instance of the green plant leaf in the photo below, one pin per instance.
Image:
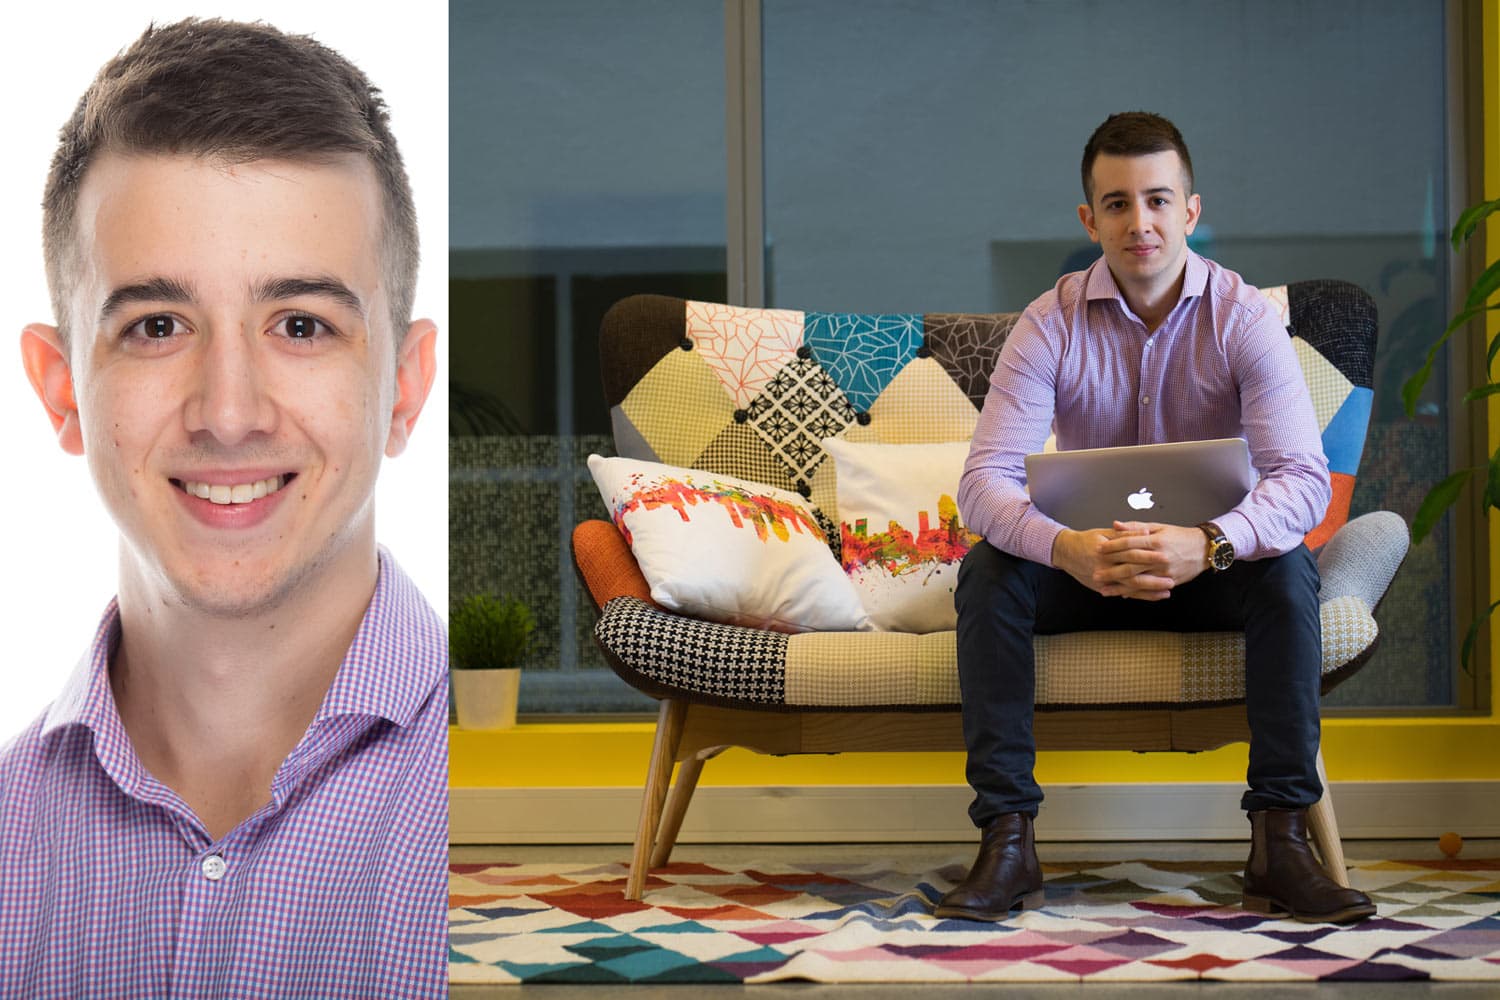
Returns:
(1489, 361)
(1484, 286)
(1411, 389)
(485, 631)
(1472, 635)
(1482, 391)
(1470, 219)
(1436, 503)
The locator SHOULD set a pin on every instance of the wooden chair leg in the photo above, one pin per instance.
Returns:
(663, 755)
(1324, 827)
(677, 803)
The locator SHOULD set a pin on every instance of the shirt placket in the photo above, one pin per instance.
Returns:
(206, 878)
(1148, 415)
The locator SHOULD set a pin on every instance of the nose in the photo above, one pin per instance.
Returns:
(1140, 219)
(229, 401)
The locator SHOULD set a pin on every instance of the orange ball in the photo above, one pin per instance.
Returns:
(1450, 844)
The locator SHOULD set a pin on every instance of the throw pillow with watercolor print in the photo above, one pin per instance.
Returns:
(727, 549)
(903, 538)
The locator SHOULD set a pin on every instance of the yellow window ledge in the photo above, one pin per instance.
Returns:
(614, 754)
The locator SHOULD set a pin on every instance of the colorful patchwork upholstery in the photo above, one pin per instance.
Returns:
(752, 393)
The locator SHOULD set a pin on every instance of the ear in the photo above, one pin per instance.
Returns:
(1194, 209)
(1086, 216)
(46, 362)
(416, 368)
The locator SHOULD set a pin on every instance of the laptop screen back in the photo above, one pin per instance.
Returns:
(1184, 482)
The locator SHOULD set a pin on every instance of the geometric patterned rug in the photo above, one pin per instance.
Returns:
(1127, 921)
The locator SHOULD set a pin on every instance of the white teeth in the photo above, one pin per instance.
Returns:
(235, 493)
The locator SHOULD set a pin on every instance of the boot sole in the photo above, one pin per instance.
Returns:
(1275, 908)
(1025, 901)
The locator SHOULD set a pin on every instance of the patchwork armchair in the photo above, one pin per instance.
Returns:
(711, 387)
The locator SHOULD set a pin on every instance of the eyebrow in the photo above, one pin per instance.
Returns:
(272, 289)
(1126, 194)
(160, 289)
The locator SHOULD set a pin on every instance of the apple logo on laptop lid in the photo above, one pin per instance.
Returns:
(1140, 499)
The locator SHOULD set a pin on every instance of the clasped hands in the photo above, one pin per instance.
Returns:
(1133, 559)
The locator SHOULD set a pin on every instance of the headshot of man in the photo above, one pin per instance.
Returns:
(241, 789)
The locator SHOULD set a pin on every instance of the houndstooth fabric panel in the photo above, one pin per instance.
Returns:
(1213, 666)
(1348, 630)
(966, 345)
(739, 451)
(799, 407)
(871, 669)
(687, 655)
(1107, 668)
(922, 405)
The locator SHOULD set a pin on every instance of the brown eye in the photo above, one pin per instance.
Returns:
(300, 327)
(157, 327)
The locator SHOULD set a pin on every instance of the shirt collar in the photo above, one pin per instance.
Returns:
(398, 657)
(1100, 283)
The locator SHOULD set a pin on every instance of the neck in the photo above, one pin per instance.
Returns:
(1152, 305)
(214, 702)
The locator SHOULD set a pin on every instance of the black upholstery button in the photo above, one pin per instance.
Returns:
(685, 344)
(804, 352)
(804, 489)
(740, 416)
(863, 416)
(924, 351)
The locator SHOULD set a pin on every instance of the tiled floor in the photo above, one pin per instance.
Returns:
(928, 854)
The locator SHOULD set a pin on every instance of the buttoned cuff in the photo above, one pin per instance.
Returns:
(1240, 532)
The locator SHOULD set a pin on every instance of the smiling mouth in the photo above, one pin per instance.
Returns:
(236, 493)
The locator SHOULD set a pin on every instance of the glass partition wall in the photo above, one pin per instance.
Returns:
(910, 157)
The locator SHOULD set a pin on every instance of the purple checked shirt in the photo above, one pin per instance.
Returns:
(1081, 364)
(110, 886)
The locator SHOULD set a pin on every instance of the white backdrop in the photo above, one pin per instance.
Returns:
(58, 548)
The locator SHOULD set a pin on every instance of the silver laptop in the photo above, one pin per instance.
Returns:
(1185, 482)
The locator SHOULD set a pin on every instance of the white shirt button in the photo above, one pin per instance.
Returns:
(1149, 343)
(213, 867)
(1145, 400)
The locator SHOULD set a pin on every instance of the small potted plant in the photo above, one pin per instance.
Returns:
(488, 636)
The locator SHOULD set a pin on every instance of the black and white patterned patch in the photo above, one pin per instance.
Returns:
(693, 659)
(799, 407)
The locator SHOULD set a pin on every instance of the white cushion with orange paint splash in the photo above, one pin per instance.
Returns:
(726, 549)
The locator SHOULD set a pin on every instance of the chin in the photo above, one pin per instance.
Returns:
(236, 593)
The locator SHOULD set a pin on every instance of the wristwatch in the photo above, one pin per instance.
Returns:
(1220, 552)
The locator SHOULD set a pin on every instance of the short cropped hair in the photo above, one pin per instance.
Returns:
(1134, 133)
(233, 93)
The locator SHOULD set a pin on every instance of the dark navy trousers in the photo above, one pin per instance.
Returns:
(1004, 600)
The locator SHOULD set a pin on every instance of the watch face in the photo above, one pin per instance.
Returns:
(1221, 555)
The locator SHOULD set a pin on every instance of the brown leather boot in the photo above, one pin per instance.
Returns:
(1004, 876)
(1282, 877)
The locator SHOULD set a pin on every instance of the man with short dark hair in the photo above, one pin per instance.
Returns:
(1151, 344)
(242, 790)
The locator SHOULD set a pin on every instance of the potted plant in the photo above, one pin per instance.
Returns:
(488, 636)
(1444, 494)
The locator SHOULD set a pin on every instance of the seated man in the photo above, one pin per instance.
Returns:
(1150, 344)
(242, 790)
